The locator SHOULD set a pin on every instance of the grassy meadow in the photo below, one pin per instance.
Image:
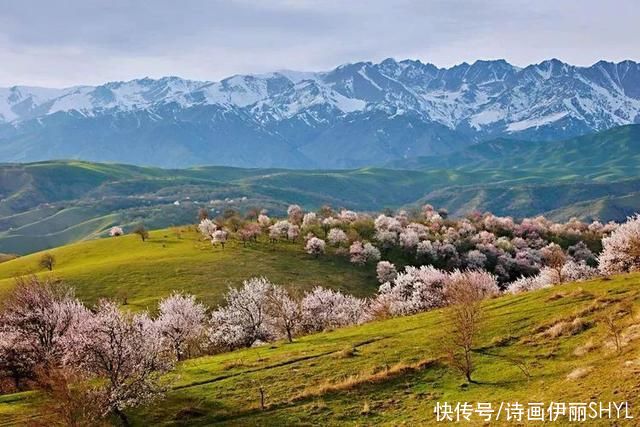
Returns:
(392, 372)
(178, 259)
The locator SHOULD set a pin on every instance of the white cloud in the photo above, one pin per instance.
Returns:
(91, 41)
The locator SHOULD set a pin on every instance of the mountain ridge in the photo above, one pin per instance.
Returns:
(356, 115)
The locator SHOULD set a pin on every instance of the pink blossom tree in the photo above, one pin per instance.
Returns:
(41, 315)
(126, 352)
(115, 231)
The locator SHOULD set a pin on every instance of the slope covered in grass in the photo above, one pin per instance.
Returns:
(613, 153)
(393, 372)
(178, 259)
(592, 177)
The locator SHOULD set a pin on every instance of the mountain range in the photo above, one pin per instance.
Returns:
(360, 114)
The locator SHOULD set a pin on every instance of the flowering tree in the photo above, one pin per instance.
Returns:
(41, 316)
(324, 309)
(621, 250)
(315, 246)
(249, 232)
(279, 230)
(182, 323)
(337, 237)
(219, 236)
(284, 313)
(553, 257)
(295, 214)
(124, 350)
(293, 232)
(413, 291)
(475, 259)
(360, 253)
(17, 361)
(356, 253)
(409, 240)
(115, 231)
(264, 221)
(347, 216)
(310, 219)
(243, 321)
(386, 271)
(207, 228)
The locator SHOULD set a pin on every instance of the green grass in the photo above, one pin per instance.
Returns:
(178, 259)
(592, 176)
(300, 378)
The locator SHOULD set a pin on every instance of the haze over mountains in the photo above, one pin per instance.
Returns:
(356, 115)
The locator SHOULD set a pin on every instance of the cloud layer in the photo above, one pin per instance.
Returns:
(72, 42)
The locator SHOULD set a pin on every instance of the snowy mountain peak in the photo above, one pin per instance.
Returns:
(392, 103)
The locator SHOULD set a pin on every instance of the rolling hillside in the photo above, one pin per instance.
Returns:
(178, 259)
(606, 155)
(49, 204)
(393, 372)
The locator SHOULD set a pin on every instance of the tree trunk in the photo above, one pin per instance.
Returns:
(123, 417)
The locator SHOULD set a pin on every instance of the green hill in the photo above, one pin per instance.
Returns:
(48, 204)
(178, 259)
(393, 372)
(606, 155)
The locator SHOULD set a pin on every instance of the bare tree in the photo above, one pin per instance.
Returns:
(614, 329)
(47, 261)
(464, 293)
(141, 231)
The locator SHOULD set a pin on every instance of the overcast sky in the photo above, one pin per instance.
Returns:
(61, 43)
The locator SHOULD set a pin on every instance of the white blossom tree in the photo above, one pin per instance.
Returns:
(295, 214)
(181, 320)
(310, 219)
(621, 250)
(219, 237)
(207, 228)
(315, 246)
(284, 313)
(337, 237)
(244, 319)
(324, 309)
(386, 272)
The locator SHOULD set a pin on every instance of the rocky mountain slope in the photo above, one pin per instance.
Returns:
(354, 115)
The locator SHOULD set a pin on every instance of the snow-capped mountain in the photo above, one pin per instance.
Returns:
(357, 114)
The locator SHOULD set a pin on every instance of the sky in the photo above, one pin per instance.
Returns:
(59, 43)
